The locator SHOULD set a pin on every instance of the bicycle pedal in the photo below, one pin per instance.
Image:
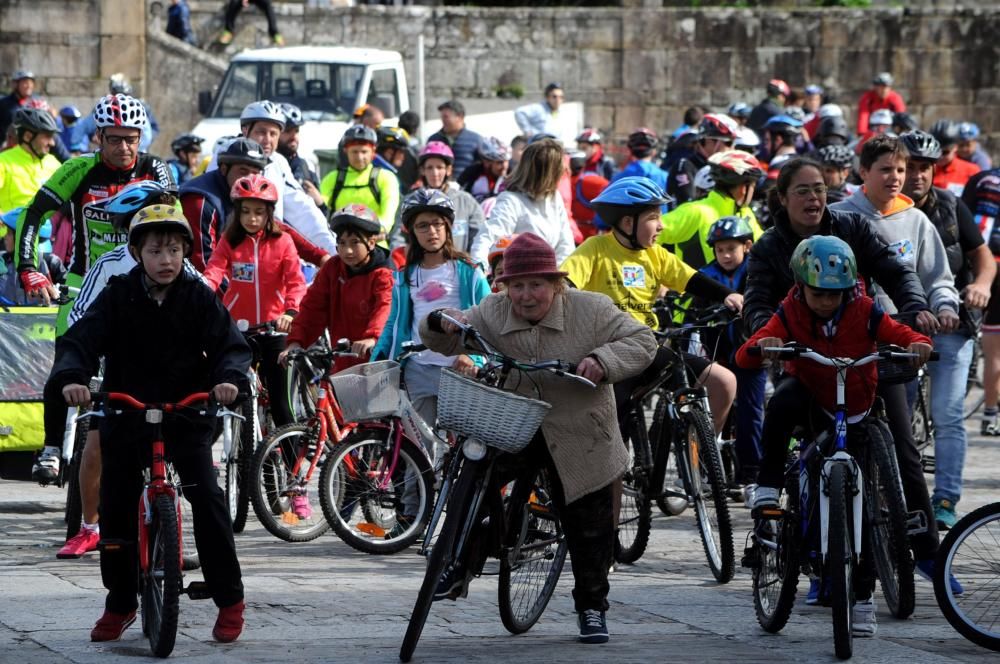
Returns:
(198, 590)
(371, 529)
(767, 513)
(916, 522)
(289, 518)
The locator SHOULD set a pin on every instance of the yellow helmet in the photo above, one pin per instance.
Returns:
(161, 218)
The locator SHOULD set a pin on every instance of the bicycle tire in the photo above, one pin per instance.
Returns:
(774, 609)
(239, 465)
(635, 513)
(527, 520)
(441, 555)
(886, 509)
(719, 547)
(921, 424)
(840, 561)
(665, 461)
(161, 586)
(366, 446)
(974, 563)
(74, 500)
(271, 487)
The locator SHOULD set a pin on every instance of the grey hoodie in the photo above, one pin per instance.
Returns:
(912, 236)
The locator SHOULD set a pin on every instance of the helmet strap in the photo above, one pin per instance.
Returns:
(31, 148)
(631, 239)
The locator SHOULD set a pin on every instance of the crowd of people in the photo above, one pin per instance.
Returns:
(815, 233)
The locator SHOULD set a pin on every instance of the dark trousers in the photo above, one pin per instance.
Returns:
(587, 523)
(275, 377)
(234, 7)
(121, 487)
(54, 417)
(750, 388)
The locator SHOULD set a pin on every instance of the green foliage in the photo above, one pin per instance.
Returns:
(509, 91)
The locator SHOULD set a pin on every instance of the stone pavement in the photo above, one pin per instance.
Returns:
(324, 602)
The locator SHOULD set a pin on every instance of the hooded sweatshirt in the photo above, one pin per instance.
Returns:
(913, 238)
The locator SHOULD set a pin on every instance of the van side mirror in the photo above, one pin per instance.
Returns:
(204, 102)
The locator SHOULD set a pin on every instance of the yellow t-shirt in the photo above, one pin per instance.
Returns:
(632, 279)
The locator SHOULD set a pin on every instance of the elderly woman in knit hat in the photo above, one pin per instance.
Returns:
(538, 318)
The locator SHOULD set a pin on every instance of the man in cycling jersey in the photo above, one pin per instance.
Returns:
(360, 181)
(715, 134)
(78, 182)
(27, 165)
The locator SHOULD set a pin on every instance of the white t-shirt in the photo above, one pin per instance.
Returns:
(430, 289)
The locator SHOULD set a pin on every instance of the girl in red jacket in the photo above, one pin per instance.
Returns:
(265, 278)
(352, 294)
(826, 311)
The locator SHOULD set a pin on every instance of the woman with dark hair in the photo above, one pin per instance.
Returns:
(798, 207)
(531, 204)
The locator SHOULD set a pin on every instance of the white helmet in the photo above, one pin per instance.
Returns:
(748, 138)
(830, 111)
(263, 111)
(120, 111)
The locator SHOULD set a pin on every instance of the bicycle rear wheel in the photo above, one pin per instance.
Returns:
(442, 554)
(239, 465)
(776, 573)
(886, 509)
(970, 553)
(161, 585)
(532, 559)
(74, 501)
(396, 507)
(275, 488)
(840, 560)
(708, 489)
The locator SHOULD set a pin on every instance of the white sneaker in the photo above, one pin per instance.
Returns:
(46, 468)
(863, 619)
(765, 496)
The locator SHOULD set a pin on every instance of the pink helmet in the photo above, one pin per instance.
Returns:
(436, 149)
(254, 186)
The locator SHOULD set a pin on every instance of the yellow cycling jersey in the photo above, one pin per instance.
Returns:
(632, 279)
(357, 188)
(21, 176)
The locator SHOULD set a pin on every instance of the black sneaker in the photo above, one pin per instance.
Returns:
(593, 628)
(450, 584)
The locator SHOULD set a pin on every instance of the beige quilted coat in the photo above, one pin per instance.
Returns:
(581, 430)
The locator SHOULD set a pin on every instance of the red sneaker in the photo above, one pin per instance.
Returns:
(229, 624)
(111, 626)
(79, 544)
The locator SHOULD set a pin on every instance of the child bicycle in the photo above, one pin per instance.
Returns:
(160, 547)
(837, 511)
(681, 426)
(476, 520)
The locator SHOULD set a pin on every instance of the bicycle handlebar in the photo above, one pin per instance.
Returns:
(895, 355)
(104, 399)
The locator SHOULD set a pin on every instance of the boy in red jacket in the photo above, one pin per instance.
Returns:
(352, 294)
(827, 311)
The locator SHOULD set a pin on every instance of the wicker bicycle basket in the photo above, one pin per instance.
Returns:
(367, 391)
(503, 420)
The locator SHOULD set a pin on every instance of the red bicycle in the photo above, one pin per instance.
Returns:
(160, 544)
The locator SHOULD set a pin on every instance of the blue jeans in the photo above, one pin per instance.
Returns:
(750, 384)
(948, 379)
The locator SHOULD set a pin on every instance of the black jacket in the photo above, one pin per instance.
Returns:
(769, 276)
(155, 352)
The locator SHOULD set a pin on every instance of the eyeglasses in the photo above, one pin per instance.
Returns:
(805, 190)
(425, 226)
(118, 140)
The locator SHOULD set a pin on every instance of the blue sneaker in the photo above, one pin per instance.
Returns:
(812, 598)
(925, 568)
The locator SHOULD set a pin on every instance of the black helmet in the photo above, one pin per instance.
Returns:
(904, 121)
(393, 137)
(921, 146)
(840, 156)
(359, 134)
(833, 126)
(946, 131)
(427, 200)
(642, 142)
(186, 143)
(36, 120)
(293, 115)
(244, 151)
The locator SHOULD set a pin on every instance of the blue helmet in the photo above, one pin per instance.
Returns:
(783, 124)
(729, 228)
(968, 131)
(70, 112)
(629, 193)
(825, 262)
(130, 200)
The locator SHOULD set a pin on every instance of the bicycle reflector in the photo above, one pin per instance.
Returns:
(473, 449)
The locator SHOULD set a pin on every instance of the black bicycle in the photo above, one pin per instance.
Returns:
(680, 439)
(479, 512)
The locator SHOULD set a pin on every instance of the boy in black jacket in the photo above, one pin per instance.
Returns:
(164, 335)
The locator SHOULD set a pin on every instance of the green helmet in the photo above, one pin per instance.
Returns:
(825, 262)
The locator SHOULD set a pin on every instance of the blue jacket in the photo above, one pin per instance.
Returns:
(179, 22)
(465, 146)
(472, 288)
(646, 169)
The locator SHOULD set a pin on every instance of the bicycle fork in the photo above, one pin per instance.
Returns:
(857, 493)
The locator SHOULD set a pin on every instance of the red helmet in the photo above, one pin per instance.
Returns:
(590, 135)
(718, 126)
(256, 187)
(734, 167)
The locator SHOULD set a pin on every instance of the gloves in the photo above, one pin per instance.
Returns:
(33, 281)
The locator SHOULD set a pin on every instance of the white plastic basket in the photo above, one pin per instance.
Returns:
(367, 391)
(503, 420)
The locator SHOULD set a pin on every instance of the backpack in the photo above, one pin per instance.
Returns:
(339, 186)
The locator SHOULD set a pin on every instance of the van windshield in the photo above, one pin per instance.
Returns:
(324, 91)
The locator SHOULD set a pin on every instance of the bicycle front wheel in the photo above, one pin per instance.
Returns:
(776, 572)
(161, 584)
(532, 559)
(395, 491)
(280, 497)
(886, 509)
(442, 554)
(840, 560)
(970, 553)
(239, 466)
(708, 489)
(670, 501)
